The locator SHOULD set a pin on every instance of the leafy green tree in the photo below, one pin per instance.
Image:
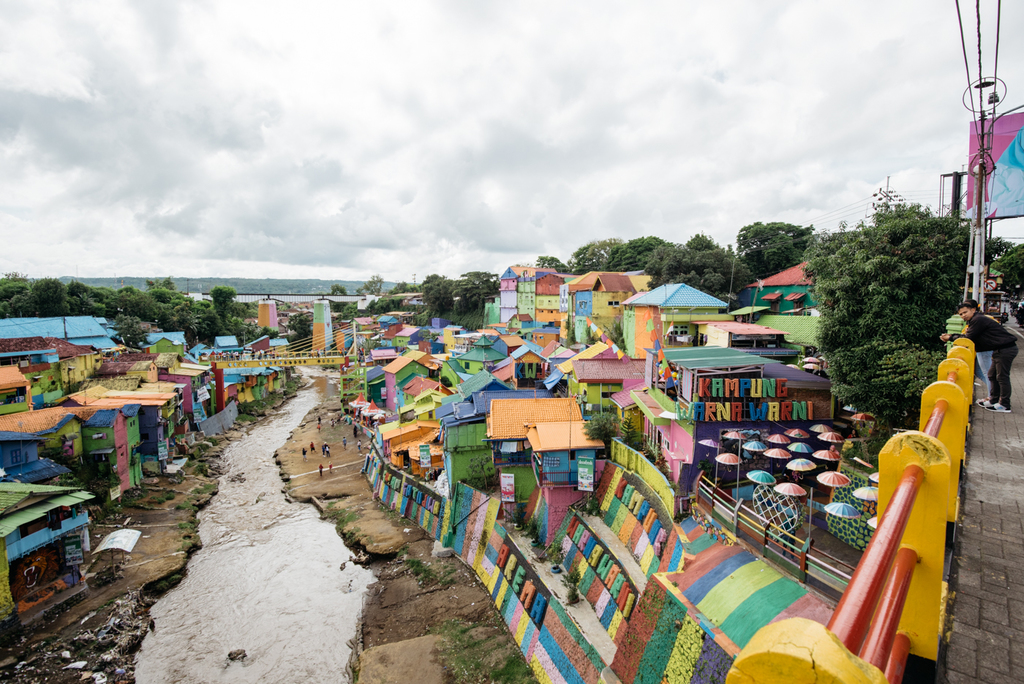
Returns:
(15, 276)
(603, 426)
(768, 248)
(208, 324)
(133, 302)
(438, 293)
(633, 255)
(374, 285)
(402, 288)
(163, 284)
(632, 435)
(338, 289)
(592, 256)
(473, 289)
(884, 291)
(701, 264)
(50, 297)
(129, 329)
(301, 326)
(552, 262)
(1011, 265)
(223, 297)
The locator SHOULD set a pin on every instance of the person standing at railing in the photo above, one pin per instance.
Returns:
(988, 335)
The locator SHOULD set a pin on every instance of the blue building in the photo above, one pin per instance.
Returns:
(20, 461)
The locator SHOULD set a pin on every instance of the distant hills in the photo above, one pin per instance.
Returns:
(241, 285)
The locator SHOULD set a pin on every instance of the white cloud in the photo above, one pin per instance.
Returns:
(340, 140)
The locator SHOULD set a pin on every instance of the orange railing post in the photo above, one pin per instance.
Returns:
(878, 644)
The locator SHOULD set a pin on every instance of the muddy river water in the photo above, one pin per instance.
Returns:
(267, 579)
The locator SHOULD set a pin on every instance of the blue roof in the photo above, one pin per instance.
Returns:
(553, 379)
(175, 337)
(198, 349)
(35, 471)
(509, 274)
(225, 341)
(678, 295)
(374, 373)
(130, 410)
(80, 329)
(16, 436)
(482, 400)
(60, 423)
(102, 418)
(279, 342)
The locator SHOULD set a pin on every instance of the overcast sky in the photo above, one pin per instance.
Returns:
(342, 139)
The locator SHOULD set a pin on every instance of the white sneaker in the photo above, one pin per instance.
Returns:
(985, 403)
(998, 408)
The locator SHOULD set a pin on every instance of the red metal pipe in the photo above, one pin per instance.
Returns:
(935, 420)
(898, 660)
(851, 618)
(951, 377)
(887, 618)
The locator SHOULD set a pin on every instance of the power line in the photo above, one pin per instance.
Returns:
(963, 44)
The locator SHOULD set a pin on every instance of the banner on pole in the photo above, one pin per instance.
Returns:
(508, 488)
(585, 473)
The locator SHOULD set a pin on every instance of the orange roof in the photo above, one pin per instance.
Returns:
(511, 418)
(398, 364)
(32, 421)
(11, 377)
(794, 275)
(561, 436)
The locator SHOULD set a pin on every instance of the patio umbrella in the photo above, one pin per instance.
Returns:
(811, 359)
(790, 489)
(780, 454)
(820, 427)
(832, 437)
(831, 478)
(873, 477)
(801, 465)
(797, 433)
(800, 448)
(777, 439)
(873, 522)
(761, 477)
(866, 493)
(863, 416)
(842, 510)
(709, 443)
(792, 365)
(755, 446)
(827, 455)
(728, 459)
(732, 434)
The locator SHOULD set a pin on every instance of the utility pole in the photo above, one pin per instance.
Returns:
(978, 225)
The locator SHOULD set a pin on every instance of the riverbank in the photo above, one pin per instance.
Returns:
(98, 625)
(425, 618)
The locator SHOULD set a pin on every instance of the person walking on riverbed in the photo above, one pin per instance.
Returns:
(344, 442)
(303, 454)
(311, 447)
(321, 470)
(330, 468)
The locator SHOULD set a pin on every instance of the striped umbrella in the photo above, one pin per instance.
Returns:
(790, 489)
(793, 365)
(873, 477)
(866, 493)
(862, 417)
(728, 459)
(801, 464)
(811, 359)
(780, 454)
(820, 427)
(761, 477)
(797, 433)
(827, 455)
(873, 522)
(732, 434)
(709, 443)
(831, 437)
(842, 510)
(777, 439)
(800, 448)
(830, 478)
(755, 446)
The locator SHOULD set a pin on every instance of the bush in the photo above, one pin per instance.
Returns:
(571, 581)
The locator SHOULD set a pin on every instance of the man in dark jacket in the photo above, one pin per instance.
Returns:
(988, 335)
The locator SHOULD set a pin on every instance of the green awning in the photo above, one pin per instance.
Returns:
(11, 522)
(748, 310)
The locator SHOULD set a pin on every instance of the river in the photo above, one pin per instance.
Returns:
(267, 579)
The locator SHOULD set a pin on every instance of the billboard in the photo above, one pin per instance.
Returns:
(585, 473)
(508, 487)
(1005, 186)
(425, 457)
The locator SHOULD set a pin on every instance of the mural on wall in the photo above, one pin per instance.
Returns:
(855, 532)
(33, 571)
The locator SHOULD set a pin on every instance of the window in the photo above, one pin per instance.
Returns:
(15, 456)
(144, 436)
(614, 302)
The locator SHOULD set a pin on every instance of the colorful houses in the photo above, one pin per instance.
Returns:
(666, 315)
(20, 460)
(593, 381)
(396, 374)
(787, 292)
(15, 391)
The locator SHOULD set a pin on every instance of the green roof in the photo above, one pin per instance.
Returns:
(12, 493)
(700, 358)
(481, 354)
(799, 329)
(11, 522)
(748, 310)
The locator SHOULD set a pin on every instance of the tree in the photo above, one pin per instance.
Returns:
(164, 284)
(222, 296)
(129, 329)
(592, 256)
(50, 297)
(552, 262)
(473, 289)
(632, 435)
(401, 288)
(338, 289)
(768, 248)
(603, 426)
(438, 293)
(374, 285)
(1011, 265)
(633, 255)
(884, 291)
(301, 326)
(701, 264)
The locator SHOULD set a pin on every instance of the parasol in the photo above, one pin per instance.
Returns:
(831, 437)
(863, 416)
(842, 510)
(820, 427)
(761, 477)
(827, 455)
(873, 477)
(800, 448)
(790, 489)
(830, 478)
(811, 359)
(728, 459)
(873, 522)
(793, 365)
(801, 464)
(732, 434)
(777, 439)
(797, 433)
(709, 443)
(781, 454)
(755, 446)
(866, 493)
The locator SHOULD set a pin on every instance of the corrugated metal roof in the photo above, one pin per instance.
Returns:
(608, 370)
(102, 418)
(677, 295)
(799, 329)
(561, 436)
(130, 410)
(40, 470)
(742, 328)
(699, 358)
(225, 341)
(794, 275)
(12, 493)
(175, 337)
(11, 522)
(17, 437)
(76, 326)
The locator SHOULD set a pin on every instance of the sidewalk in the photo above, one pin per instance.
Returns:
(986, 643)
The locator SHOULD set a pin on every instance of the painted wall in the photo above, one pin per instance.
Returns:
(323, 333)
(267, 314)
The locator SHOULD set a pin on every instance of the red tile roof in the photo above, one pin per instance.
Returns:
(66, 350)
(23, 344)
(616, 282)
(771, 296)
(608, 370)
(11, 377)
(794, 275)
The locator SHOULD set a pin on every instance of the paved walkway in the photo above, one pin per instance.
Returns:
(987, 639)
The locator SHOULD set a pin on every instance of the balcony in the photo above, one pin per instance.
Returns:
(555, 477)
(515, 458)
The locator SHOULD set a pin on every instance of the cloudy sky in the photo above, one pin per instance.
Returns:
(341, 139)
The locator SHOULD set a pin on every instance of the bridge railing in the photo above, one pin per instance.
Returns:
(870, 637)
